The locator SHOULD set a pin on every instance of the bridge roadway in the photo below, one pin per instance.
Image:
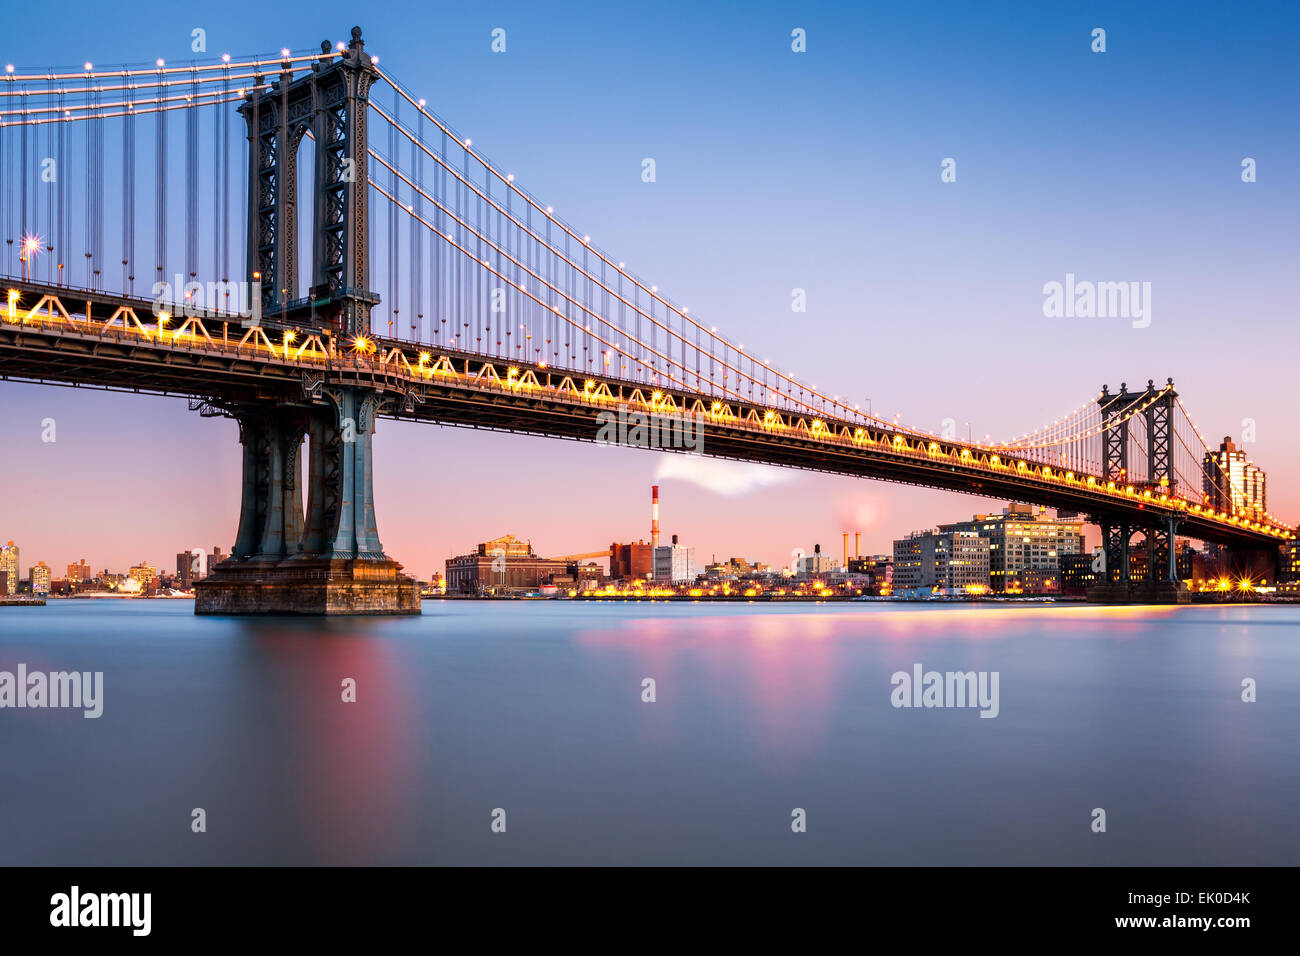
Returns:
(47, 338)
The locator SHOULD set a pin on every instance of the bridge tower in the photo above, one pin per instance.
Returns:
(1162, 563)
(330, 104)
(1156, 405)
(1115, 535)
(327, 559)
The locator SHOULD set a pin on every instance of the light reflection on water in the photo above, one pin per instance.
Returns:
(535, 707)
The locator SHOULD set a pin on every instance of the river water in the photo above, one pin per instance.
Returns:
(530, 715)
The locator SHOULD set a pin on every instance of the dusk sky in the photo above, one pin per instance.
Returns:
(775, 170)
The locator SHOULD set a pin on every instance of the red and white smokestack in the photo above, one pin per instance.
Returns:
(654, 516)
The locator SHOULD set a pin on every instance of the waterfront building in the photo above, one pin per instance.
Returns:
(877, 569)
(1290, 564)
(1077, 574)
(907, 561)
(192, 566)
(578, 577)
(79, 573)
(633, 561)
(816, 563)
(734, 569)
(40, 578)
(9, 565)
(1233, 483)
(504, 563)
(145, 577)
(1034, 581)
(674, 563)
(1025, 547)
(948, 562)
(185, 575)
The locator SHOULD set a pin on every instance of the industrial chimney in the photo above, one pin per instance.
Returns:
(846, 549)
(654, 516)
(857, 544)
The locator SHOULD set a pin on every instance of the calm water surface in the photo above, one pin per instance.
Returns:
(535, 708)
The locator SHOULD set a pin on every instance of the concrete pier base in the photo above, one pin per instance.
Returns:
(316, 586)
(326, 559)
(1140, 592)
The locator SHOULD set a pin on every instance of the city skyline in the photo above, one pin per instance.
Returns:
(816, 556)
(933, 283)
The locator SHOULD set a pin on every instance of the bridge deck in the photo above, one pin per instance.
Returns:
(67, 337)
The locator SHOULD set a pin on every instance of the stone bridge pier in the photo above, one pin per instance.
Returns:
(1118, 584)
(326, 558)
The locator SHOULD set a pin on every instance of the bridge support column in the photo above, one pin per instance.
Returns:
(270, 511)
(1171, 528)
(1125, 537)
(329, 561)
(1115, 543)
(1160, 585)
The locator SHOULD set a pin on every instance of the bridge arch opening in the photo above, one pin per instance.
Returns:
(302, 160)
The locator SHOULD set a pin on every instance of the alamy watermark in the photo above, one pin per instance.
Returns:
(76, 908)
(922, 688)
(54, 689)
(637, 429)
(1098, 300)
(197, 300)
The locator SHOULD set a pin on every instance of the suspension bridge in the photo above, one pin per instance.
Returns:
(261, 295)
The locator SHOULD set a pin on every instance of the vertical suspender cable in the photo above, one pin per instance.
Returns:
(97, 177)
(394, 303)
(88, 198)
(49, 193)
(553, 329)
(462, 276)
(6, 193)
(223, 111)
(218, 152)
(438, 275)
(128, 194)
(417, 237)
(480, 276)
(22, 209)
(160, 189)
(62, 186)
(192, 181)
